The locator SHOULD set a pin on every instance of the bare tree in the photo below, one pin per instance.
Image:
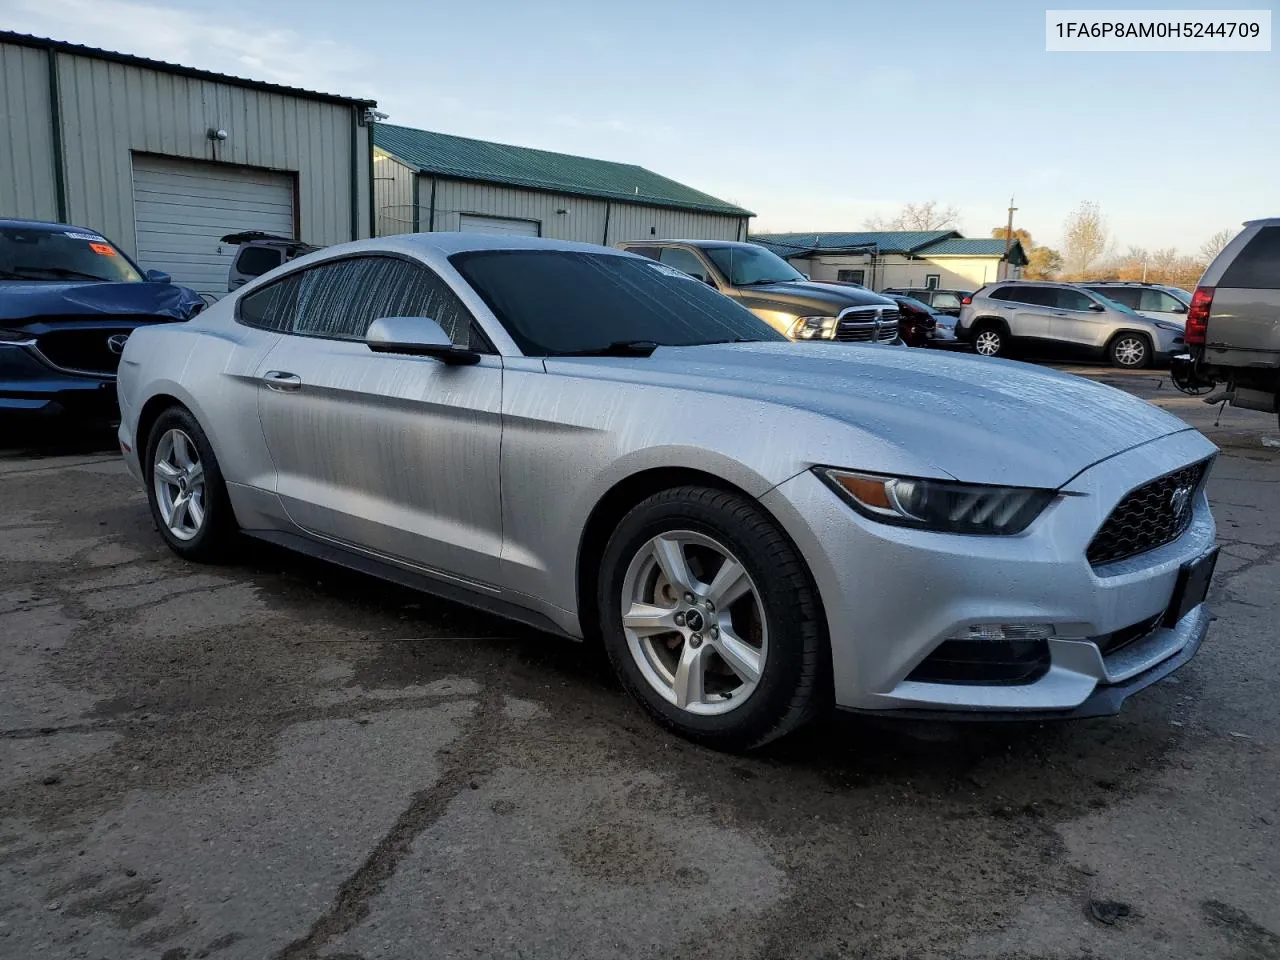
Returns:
(1213, 246)
(917, 216)
(1084, 240)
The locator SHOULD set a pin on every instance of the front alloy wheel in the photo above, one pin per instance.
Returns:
(1130, 351)
(711, 619)
(179, 484)
(698, 638)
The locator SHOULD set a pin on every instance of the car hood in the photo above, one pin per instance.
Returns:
(974, 418)
(815, 294)
(22, 301)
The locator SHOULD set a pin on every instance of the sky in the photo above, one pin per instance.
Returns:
(814, 114)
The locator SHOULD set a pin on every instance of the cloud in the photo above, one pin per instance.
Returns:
(196, 39)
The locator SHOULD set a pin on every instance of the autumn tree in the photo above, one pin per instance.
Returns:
(1213, 246)
(918, 216)
(1084, 240)
(1043, 263)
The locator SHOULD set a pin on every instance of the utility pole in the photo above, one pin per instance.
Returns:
(1008, 239)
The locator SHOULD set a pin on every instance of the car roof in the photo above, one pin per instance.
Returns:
(43, 226)
(689, 243)
(443, 243)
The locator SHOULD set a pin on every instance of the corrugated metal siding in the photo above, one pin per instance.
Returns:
(584, 220)
(110, 109)
(392, 195)
(631, 222)
(27, 184)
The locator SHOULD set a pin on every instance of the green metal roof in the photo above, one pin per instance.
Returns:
(974, 247)
(918, 243)
(466, 159)
(885, 241)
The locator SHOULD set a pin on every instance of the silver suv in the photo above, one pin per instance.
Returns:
(1065, 320)
(1155, 300)
(1233, 327)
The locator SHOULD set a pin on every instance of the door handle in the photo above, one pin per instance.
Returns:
(280, 380)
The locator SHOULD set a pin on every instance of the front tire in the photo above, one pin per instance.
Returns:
(186, 491)
(711, 620)
(1130, 351)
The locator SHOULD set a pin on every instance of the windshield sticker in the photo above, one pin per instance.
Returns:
(670, 271)
(92, 237)
(102, 249)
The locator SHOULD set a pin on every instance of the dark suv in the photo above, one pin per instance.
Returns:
(69, 298)
(942, 301)
(777, 293)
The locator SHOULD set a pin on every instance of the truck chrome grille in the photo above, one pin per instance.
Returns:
(868, 325)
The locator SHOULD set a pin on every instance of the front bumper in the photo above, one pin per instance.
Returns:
(29, 386)
(893, 595)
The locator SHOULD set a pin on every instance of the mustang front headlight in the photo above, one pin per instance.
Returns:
(940, 505)
(813, 328)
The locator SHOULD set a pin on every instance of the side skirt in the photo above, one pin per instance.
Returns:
(414, 580)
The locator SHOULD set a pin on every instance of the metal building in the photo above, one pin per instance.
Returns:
(426, 181)
(165, 159)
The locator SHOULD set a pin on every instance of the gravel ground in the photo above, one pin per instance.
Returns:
(284, 759)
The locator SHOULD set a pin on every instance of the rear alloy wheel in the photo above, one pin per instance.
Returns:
(989, 342)
(1131, 351)
(710, 619)
(187, 495)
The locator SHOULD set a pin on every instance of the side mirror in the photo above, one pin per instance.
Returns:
(1179, 309)
(157, 276)
(1097, 307)
(417, 337)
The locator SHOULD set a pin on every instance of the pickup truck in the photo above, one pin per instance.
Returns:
(777, 293)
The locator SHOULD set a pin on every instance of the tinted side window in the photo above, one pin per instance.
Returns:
(1157, 301)
(945, 301)
(1039, 296)
(1128, 296)
(271, 307)
(339, 300)
(1065, 299)
(1257, 267)
(653, 253)
(255, 261)
(684, 261)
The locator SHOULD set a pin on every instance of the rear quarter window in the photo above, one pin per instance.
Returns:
(1257, 266)
(255, 261)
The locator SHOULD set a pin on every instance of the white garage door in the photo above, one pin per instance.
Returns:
(182, 207)
(470, 223)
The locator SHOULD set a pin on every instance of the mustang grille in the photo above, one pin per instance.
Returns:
(1154, 514)
(84, 350)
(863, 326)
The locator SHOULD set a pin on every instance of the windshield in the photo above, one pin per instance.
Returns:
(560, 301)
(914, 304)
(61, 255)
(748, 264)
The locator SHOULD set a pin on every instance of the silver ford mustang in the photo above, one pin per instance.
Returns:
(592, 443)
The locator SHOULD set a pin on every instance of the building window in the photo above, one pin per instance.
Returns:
(851, 276)
(932, 281)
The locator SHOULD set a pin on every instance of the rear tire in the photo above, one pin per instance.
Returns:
(185, 489)
(1130, 351)
(713, 591)
(990, 340)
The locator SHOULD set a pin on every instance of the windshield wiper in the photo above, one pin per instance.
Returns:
(756, 283)
(60, 272)
(619, 348)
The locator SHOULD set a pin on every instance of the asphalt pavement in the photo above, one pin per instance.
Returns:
(282, 759)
